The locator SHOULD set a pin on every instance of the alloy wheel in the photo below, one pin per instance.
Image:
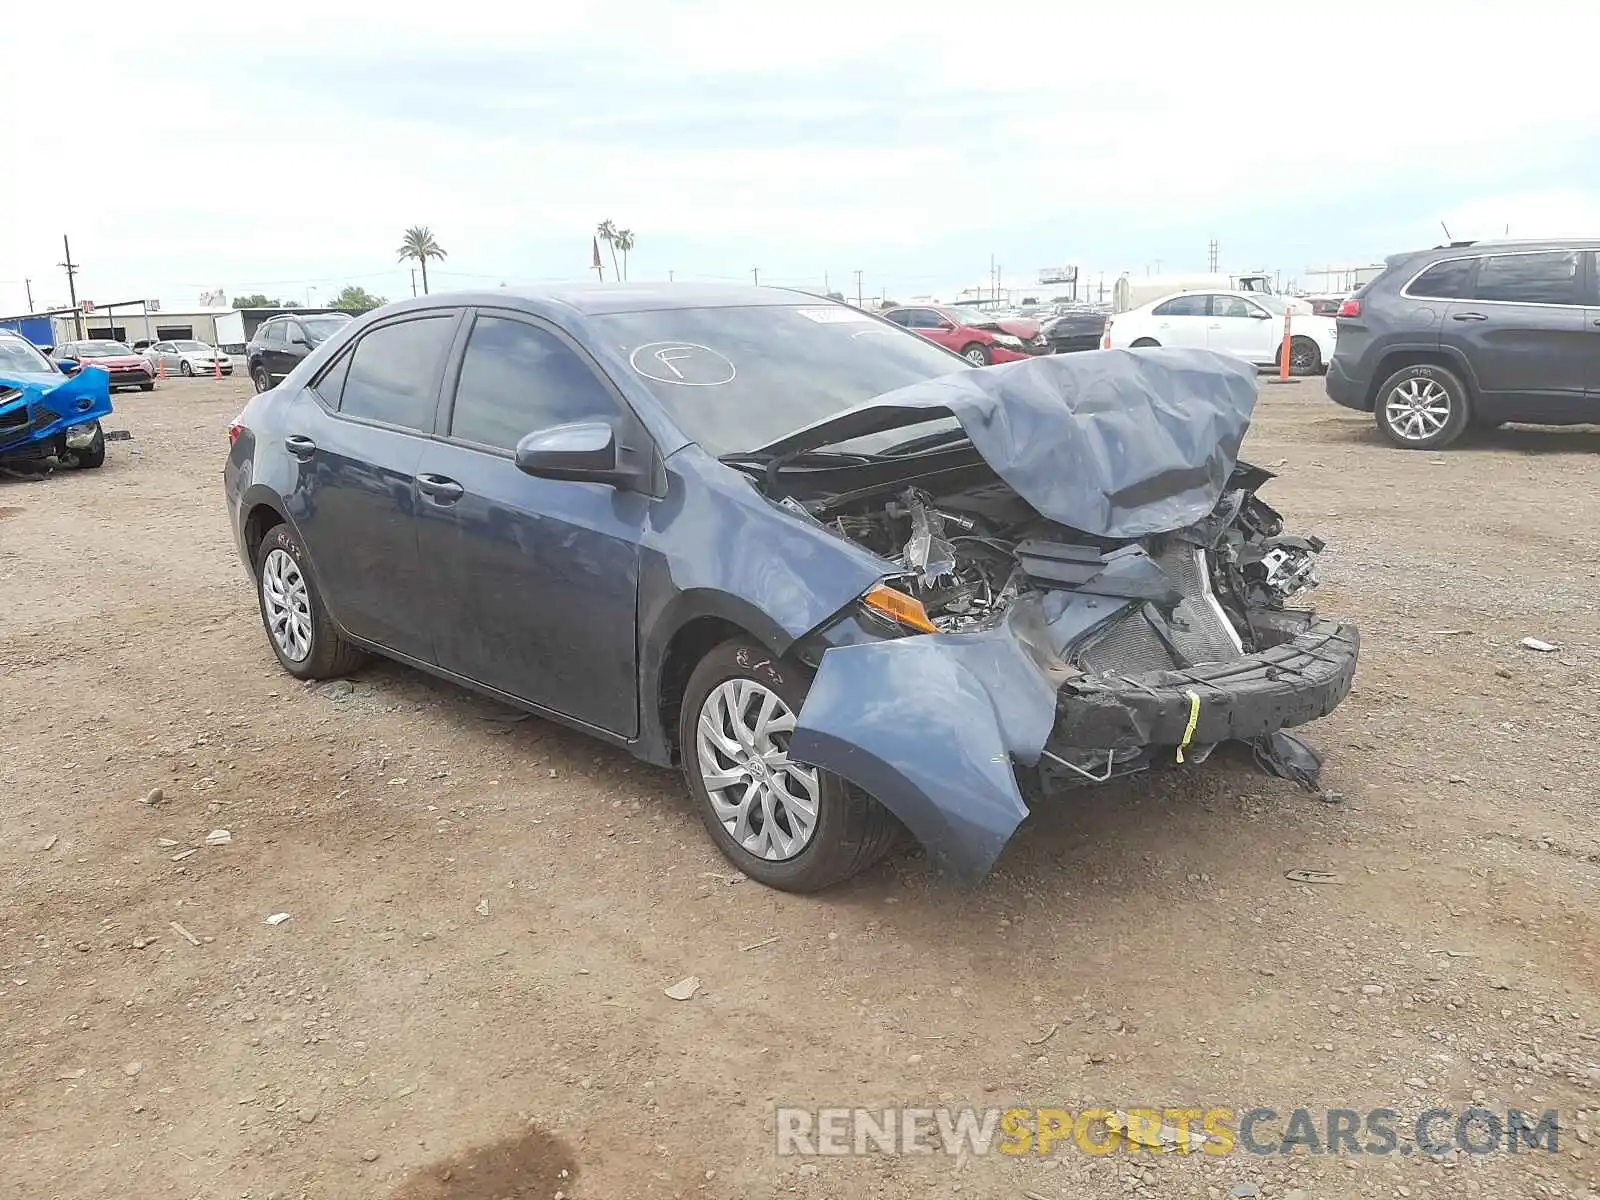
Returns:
(766, 803)
(287, 603)
(1302, 358)
(977, 357)
(1417, 409)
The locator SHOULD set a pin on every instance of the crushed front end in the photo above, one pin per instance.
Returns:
(48, 416)
(1010, 653)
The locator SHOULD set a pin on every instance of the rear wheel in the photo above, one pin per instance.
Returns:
(299, 629)
(977, 354)
(258, 376)
(1422, 407)
(1141, 343)
(782, 823)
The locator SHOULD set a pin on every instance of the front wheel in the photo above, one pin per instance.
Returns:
(299, 629)
(94, 454)
(147, 387)
(1422, 407)
(977, 354)
(782, 823)
(1141, 343)
(1305, 358)
(184, 368)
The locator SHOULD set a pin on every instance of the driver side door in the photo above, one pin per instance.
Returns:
(536, 580)
(934, 326)
(1242, 327)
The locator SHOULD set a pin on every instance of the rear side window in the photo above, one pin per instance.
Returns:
(516, 378)
(1549, 278)
(1182, 306)
(394, 373)
(272, 335)
(1444, 281)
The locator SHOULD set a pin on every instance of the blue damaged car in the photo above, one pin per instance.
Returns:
(48, 410)
(849, 584)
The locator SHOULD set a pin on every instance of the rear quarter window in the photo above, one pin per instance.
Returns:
(1450, 280)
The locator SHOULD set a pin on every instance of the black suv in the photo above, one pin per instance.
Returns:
(1473, 334)
(281, 342)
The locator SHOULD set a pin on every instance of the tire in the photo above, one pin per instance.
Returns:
(327, 655)
(1305, 357)
(1422, 407)
(147, 387)
(849, 831)
(259, 377)
(185, 369)
(1141, 343)
(95, 455)
(977, 354)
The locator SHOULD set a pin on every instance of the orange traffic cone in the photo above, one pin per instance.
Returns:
(161, 368)
(216, 365)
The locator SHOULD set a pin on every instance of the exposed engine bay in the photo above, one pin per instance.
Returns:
(969, 554)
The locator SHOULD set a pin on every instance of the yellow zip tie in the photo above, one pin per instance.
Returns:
(1194, 719)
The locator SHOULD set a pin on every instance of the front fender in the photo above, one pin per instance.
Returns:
(930, 726)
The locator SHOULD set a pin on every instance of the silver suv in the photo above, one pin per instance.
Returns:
(1474, 334)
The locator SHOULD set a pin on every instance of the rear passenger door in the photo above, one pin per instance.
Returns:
(1525, 335)
(1182, 321)
(356, 435)
(535, 581)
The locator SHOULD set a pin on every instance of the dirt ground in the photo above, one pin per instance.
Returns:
(466, 1001)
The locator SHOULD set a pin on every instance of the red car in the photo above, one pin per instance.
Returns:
(978, 337)
(126, 368)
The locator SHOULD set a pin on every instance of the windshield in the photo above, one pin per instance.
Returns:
(320, 329)
(735, 379)
(189, 347)
(101, 349)
(23, 358)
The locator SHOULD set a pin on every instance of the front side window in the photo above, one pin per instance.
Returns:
(393, 375)
(1231, 306)
(1548, 278)
(272, 335)
(516, 378)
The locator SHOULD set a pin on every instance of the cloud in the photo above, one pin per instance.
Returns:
(910, 140)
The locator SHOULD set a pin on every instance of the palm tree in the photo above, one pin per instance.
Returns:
(606, 231)
(625, 244)
(418, 243)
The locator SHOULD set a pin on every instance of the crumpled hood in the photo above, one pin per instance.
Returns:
(1116, 443)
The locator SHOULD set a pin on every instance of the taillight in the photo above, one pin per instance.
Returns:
(1351, 307)
(235, 428)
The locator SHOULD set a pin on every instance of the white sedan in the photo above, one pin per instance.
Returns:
(1248, 324)
(187, 357)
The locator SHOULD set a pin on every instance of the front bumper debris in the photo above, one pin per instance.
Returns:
(935, 726)
(1277, 688)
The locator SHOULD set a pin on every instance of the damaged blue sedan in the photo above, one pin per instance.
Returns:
(49, 413)
(849, 584)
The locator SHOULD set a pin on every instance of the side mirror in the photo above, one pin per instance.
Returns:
(69, 366)
(1257, 315)
(586, 452)
(946, 325)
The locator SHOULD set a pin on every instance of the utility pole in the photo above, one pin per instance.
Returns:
(1212, 255)
(669, 276)
(755, 276)
(28, 283)
(859, 302)
(1158, 266)
(72, 287)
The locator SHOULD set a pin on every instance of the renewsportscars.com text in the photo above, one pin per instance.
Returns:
(1166, 1130)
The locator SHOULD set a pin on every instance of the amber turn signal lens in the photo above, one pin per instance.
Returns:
(899, 607)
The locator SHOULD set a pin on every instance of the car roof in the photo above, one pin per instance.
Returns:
(601, 299)
(1474, 249)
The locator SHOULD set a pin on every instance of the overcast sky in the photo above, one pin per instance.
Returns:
(283, 147)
